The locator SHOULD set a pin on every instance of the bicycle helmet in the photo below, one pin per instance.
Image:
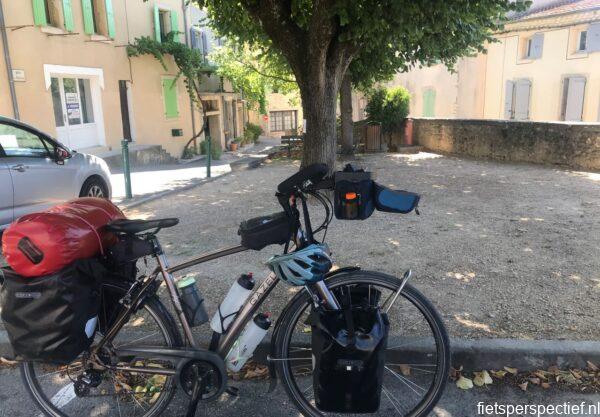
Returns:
(302, 267)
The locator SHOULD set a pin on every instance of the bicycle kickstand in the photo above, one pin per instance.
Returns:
(197, 390)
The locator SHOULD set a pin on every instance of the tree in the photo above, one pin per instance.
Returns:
(191, 65)
(320, 39)
(254, 71)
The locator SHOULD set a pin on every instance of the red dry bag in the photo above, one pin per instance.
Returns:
(39, 244)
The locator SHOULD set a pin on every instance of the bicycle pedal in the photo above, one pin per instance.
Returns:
(233, 391)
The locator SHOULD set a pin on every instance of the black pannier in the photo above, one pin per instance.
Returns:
(262, 231)
(353, 199)
(394, 201)
(349, 350)
(52, 318)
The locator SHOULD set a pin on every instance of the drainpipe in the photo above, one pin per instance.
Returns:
(188, 43)
(11, 81)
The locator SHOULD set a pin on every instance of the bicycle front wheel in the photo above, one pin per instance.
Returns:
(417, 359)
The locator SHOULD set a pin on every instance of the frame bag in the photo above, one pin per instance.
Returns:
(268, 230)
(349, 352)
(52, 318)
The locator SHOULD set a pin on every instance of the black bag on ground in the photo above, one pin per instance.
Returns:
(52, 318)
(262, 231)
(395, 201)
(349, 350)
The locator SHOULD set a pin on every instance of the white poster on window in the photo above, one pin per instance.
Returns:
(72, 102)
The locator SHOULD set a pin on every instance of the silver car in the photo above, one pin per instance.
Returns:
(37, 172)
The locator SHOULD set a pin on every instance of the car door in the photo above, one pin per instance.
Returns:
(6, 194)
(38, 181)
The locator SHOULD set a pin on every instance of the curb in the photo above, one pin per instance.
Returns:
(475, 355)
(243, 164)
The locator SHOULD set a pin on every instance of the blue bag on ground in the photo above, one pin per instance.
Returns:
(395, 201)
(349, 351)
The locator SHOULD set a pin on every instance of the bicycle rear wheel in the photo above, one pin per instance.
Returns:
(417, 358)
(57, 393)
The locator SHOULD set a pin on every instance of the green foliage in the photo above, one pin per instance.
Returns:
(388, 107)
(252, 133)
(215, 148)
(254, 71)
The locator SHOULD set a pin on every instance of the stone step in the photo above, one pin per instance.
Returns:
(139, 155)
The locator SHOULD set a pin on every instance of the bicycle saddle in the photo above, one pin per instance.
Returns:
(131, 227)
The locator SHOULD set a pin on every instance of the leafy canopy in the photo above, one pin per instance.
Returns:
(254, 71)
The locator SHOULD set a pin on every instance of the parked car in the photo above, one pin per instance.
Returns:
(37, 172)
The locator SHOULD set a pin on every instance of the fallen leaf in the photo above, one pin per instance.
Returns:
(592, 366)
(154, 398)
(464, 383)
(487, 379)
(523, 386)
(511, 370)
(499, 374)
(575, 374)
(405, 369)
(482, 378)
(545, 385)
(540, 374)
(534, 381)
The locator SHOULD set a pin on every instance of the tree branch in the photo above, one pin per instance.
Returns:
(256, 70)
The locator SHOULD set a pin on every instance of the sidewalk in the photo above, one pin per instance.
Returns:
(148, 182)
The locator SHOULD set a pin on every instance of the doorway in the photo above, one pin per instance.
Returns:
(75, 107)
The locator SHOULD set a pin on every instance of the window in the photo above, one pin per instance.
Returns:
(98, 17)
(572, 100)
(582, 44)
(283, 120)
(533, 46)
(52, 13)
(19, 142)
(429, 103)
(165, 22)
(169, 87)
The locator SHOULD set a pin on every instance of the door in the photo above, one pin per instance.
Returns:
(73, 102)
(38, 181)
(573, 94)
(6, 194)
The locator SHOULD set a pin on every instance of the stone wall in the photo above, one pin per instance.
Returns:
(576, 145)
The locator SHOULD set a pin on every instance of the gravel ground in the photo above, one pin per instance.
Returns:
(503, 250)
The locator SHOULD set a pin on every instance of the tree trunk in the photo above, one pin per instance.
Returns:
(346, 115)
(319, 106)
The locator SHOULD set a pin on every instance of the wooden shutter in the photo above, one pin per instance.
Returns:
(157, 24)
(193, 38)
(39, 13)
(537, 46)
(429, 103)
(170, 97)
(593, 38)
(575, 96)
(508, 100)
(110, 18)
(175, 25)
(68, 15)
(88, 17)
(522, 94)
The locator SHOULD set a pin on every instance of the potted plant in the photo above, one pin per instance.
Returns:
(233, 145)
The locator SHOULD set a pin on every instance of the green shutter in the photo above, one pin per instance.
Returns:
(110, 18)
(68, 14)
(429, 103)
(157, 23)
(88, 17)
(170, 97)
(175, 25)
(39, 13)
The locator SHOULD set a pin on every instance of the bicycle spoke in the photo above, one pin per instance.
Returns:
(407, 381)
(389, 397)
(137, 340)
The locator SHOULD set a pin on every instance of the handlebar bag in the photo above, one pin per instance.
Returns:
(52, 318)
(353, 197)
(262, 231)
(349, 346)
(395, 201)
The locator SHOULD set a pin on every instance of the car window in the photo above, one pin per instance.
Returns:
(19, 142)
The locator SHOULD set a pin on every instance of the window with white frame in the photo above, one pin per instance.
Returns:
(582, 41)
(533, 46)
(283, 120)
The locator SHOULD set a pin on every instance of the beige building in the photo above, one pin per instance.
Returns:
(544, 67)
(284, 115)
(73, 79)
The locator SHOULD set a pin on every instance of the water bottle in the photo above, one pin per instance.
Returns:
(192, 302)
(237, 295)
(244, 347)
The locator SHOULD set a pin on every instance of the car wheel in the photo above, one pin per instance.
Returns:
(94, 187)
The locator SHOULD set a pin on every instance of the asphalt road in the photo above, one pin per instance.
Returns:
(253, 400)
